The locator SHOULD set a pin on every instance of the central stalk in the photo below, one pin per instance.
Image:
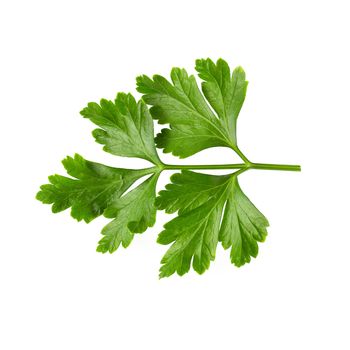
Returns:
(262, 166)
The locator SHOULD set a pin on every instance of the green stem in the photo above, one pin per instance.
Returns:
(204, 167)
(234, 166)
(285, 167)
(241, 155)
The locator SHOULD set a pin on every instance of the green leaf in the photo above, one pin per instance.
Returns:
(210, 209)
(98, 189)
(94, 187)
(224, 92)
(193, 125)
(126, 127)
(133, 213)
(242, 226)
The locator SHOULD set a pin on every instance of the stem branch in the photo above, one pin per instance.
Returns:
(285, 167)
(246, 166)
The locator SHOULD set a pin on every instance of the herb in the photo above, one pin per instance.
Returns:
(211, 208)
(201, 201)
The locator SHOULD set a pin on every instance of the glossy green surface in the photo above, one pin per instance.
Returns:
(211, 208)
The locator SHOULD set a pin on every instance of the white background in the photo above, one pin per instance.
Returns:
(58, 293)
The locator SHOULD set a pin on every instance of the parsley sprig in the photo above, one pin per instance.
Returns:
(210, 208)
